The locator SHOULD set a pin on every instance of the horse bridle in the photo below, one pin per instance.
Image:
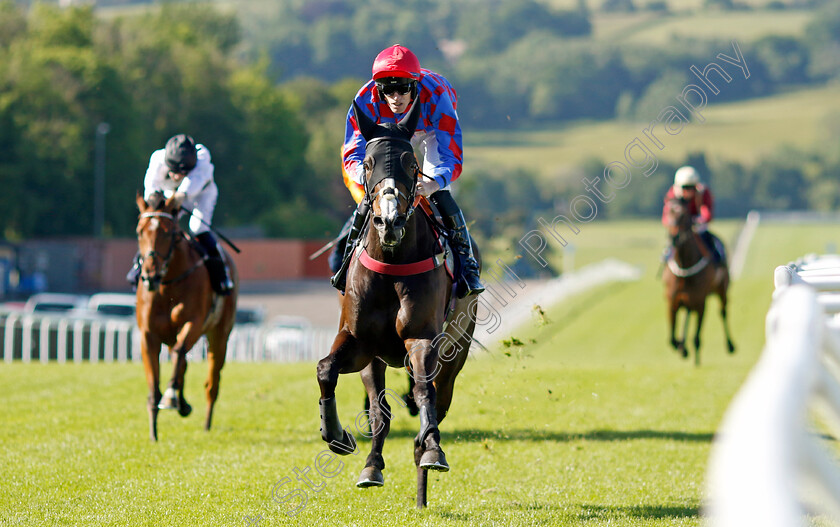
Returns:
(393, 190)
(679, 237)
(164, 267)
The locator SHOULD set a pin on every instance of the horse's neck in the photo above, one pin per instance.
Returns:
(687, 251)
(183, 258)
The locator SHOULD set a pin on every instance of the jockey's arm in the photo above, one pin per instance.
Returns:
(426, 186)
(447, 150)
(706, 206)
(352, 157)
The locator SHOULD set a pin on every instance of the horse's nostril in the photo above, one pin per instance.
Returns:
(378, 221)
(399, 222)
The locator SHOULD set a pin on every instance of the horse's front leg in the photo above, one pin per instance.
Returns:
(424, 368)
(150, 348)
(700, 311)
(344, 357)
(722, 294)
(173, 397)
(217, 350)
(379, 419)
(673, 309)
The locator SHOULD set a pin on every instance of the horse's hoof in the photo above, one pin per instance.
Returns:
(731, 348)
(370, 477)
(346, 446)
(434, 460)
(184, 409)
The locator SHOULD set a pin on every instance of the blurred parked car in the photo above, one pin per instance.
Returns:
(123, 305)
(250, 315)
(55, 303)
(287, 337)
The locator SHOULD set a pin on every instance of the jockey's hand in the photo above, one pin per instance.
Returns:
(426, 186)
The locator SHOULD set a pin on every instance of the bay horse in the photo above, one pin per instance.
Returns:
(690, 276)
(393, 311)
(176, 306)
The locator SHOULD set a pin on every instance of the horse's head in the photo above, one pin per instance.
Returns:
(390, 173)
(157, 232)
(678, 218)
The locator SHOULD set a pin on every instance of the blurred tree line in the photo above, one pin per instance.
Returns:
(267, 89)
(519, 62)
(62, 72)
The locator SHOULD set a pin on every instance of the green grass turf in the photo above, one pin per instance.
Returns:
(743, 27)
(596, 422)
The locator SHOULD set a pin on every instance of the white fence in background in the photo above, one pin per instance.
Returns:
(49, 337)
(771, 464)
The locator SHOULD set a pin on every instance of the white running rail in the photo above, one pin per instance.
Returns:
(28, 337)
(771, 464)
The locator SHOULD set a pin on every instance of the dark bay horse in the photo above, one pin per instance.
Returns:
(690, 276)
(392, 313)
(176, 306)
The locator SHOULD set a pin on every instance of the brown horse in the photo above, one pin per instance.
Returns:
(392, 313)
(176, 306)
(690, 276)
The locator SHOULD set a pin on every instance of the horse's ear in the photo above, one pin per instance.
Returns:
(366, 125)
(141, 203)
(409, 162)
(409, 122)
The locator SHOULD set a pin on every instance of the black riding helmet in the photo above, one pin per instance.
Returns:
(181, 156)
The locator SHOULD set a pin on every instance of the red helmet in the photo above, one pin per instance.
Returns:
(396, 61)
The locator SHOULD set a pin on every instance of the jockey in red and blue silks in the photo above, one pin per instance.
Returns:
(701, 204)
(438, 135)
(398, 80)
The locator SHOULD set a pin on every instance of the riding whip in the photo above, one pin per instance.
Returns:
(219, 234)
(331, 244)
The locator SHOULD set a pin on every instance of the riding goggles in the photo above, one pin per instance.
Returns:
(390, 89)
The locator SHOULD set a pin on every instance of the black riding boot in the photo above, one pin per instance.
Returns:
(453, 219)
(349, 244)
(714, 245)
(133, 276)
(219, 277)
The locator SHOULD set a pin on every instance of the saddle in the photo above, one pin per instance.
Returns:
(217, 300)
(433, 217)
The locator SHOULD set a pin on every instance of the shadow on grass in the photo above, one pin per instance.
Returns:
(585, 512)
(473, 435)
(592, 512)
